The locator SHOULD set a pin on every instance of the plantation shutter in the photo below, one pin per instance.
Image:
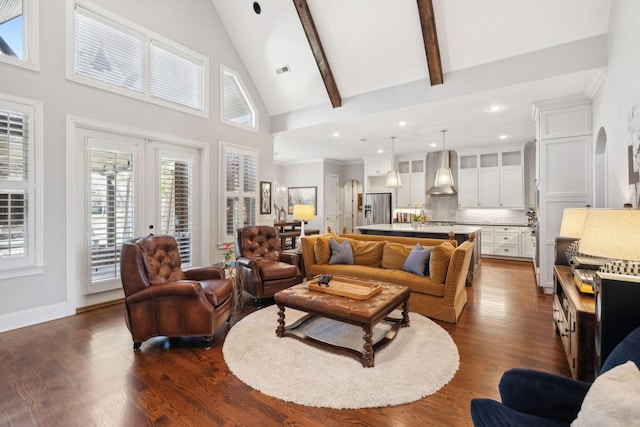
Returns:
(112, 209)
(176, 204)
(14, 183)
(241, 189)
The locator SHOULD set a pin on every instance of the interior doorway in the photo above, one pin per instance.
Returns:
(353, 214)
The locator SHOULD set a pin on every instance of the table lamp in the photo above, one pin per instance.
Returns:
(613, 234)
(572, 222)
(303, 213)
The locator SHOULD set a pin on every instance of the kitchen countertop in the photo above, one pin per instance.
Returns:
(426, 228)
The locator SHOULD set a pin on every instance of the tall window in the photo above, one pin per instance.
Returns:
(237, 109)
(120, 56)
(19, 209)
(19, 32)
(239, 176)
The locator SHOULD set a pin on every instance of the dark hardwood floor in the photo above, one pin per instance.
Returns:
(82, 371)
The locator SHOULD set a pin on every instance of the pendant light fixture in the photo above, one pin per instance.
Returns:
(393, 176)
(444, 177)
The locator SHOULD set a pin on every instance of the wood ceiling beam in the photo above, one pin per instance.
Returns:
(430, 38)
(318, 52)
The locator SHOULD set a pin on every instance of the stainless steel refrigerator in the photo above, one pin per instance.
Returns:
(377, 208)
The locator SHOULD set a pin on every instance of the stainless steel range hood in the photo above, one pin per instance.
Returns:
(434, 162)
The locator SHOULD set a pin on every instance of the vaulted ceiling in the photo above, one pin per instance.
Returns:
(492, 52)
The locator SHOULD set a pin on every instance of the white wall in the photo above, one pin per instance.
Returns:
(194, 24)
(618, 94)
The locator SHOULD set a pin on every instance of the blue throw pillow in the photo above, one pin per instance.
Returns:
(418, 260)
(341, 253)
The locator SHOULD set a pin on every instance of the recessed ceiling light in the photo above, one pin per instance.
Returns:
(256, 8)
(402, 123)
(336, 134)
(380, 151)
(433, 144)
(495, 108)
(503, 137)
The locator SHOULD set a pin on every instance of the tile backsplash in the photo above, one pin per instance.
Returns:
(508, 216)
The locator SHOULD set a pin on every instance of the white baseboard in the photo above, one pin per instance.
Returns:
(32, 316)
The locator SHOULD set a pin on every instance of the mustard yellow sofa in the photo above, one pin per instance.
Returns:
(440, 295)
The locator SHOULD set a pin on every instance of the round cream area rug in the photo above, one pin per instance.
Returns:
(418, 362)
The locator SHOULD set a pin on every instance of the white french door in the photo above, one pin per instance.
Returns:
(134, 187)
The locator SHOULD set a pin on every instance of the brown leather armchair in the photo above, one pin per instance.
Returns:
(266, 270)
(163, 300)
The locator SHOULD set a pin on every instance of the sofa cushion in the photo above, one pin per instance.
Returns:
(367, 253)
(274, 270)
(341, 253)
(322, 250)
(394, 255)
(418, 260)
(612, 399)
(439, 262)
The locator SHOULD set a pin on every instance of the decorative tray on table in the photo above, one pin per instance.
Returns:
(346, 287)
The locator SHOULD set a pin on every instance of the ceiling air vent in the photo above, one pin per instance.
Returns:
(284, 69)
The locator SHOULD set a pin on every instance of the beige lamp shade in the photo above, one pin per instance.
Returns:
(572, 222)
(611, 233)
(303, 212)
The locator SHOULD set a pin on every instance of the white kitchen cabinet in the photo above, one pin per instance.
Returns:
(468, 181)
(412, 175)
(491, 177)
(527, 244)
(378, 166)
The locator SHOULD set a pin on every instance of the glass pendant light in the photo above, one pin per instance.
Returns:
(393, 176)
(444, 177)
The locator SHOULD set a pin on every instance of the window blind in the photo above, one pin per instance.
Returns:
(115, 54)
(237, 108)
(176, 201)
(112, 210)
(241, 188)
(14, 183)
(175, 78)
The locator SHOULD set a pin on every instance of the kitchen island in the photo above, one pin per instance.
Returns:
(460, 234)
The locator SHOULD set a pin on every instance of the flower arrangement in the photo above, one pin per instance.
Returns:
(227, 251)
(417, 215)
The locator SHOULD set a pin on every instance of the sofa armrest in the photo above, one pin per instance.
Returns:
(456, 280)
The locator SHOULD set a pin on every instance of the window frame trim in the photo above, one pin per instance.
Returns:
(150, 35)
(224, 69)
(34, 263)
(31, 43)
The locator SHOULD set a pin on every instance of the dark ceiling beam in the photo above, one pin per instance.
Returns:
(318, 52)
(430, 38)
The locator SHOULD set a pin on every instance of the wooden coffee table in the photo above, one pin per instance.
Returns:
(364, 313)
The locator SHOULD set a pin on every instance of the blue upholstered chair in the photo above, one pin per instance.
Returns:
(535, 398)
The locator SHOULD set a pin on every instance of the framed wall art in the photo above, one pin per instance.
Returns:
(265, 197)
(302, 196)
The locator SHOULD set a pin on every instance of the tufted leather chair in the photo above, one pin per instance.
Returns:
(163, 300)
(266, 270)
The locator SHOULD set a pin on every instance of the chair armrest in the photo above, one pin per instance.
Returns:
(289, 258)
(247, 262)
(204, 273)
(542, 394)
(187, 288)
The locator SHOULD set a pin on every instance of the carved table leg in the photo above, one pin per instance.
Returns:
(280, 328)
(405, 313)
(367, 354)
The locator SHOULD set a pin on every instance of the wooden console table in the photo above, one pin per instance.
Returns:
(574, 316)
